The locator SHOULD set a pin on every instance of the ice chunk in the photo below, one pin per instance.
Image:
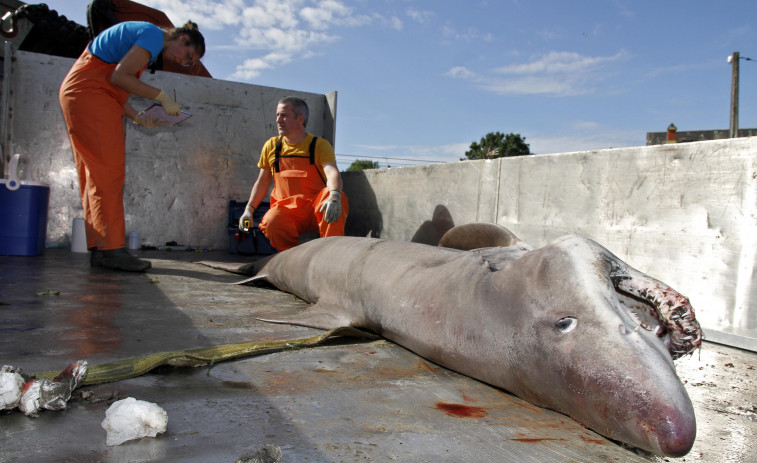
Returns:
(130, 419)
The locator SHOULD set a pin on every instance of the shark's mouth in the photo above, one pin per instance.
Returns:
(659, 308)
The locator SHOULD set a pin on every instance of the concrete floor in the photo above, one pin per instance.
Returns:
(343, 402)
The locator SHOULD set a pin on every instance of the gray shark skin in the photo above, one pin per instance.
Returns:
(568, 326)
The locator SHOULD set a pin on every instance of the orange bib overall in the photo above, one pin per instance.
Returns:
(93, 109)
(298, 192)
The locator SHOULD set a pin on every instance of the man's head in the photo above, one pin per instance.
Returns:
(291, 115)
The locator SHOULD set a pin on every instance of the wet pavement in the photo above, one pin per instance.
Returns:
(346, 401)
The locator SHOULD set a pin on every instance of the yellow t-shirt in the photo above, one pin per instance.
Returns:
(324, 153)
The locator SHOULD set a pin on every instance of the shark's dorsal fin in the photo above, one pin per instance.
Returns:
(478, 235)
(496, 245)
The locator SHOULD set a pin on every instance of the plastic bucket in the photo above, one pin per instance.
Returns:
(23, 214)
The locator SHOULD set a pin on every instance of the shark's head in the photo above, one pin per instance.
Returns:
(594, 354)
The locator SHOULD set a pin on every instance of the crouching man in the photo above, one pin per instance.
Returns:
(307, 192)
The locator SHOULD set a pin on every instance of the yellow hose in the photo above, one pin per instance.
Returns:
(201, 356)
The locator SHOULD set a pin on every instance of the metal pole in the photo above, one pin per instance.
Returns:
(734, 128)
(5, 109)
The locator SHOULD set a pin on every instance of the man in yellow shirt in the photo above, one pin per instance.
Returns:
(307, 187)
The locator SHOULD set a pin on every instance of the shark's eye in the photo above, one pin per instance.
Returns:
(566, 324)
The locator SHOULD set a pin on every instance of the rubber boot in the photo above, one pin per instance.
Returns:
(95, 257)
(120, 259)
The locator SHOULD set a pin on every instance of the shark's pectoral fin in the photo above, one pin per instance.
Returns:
(315, 316)
(232, 267)
(257, 280)
(241, 268)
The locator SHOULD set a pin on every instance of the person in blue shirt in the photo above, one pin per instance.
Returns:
(94, 99)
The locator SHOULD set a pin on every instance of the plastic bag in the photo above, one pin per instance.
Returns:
(11, 384)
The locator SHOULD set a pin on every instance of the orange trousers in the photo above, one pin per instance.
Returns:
(290, 217)
(94, 114)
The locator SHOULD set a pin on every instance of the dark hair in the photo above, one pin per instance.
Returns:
(193, 32)
(299, 106)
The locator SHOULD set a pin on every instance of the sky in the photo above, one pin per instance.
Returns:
(419, 80)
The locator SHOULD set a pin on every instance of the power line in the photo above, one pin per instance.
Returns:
(390, 158)
(382, 162)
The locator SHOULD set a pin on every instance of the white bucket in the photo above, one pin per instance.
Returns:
(78, 236)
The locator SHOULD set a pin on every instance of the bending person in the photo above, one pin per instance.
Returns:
(307, 192)
(94, 98)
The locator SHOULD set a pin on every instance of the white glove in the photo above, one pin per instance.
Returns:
(246, 217)
(332, 206)
(169, 105)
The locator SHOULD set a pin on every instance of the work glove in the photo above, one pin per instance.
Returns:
(332, 206)
(169, 105)
(246, 217)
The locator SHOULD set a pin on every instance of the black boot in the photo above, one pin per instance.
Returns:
(95, 257)
(120, 259)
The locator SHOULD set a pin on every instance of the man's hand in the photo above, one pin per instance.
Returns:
(169, 105)
(332, 206)
(246, 222)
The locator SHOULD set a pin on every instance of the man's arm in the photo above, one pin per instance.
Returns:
(260, 188)
(333, 178)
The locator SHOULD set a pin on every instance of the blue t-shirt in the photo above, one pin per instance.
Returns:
(114, 42)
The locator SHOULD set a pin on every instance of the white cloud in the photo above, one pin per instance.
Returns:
(252, 68)
(283, 41)
(420, 17)
(472, 34)
(584, 125)
(460, 72)
(530, 86)
(328, 13)
(554, 73)
(396, 23)
(556, 62)
(623, 9)
(283, 30)
(208, 14)
(392, 22)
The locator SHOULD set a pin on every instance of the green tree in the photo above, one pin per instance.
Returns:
(362, 164)
(498, 145)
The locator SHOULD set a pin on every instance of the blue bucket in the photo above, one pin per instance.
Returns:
(23, 214)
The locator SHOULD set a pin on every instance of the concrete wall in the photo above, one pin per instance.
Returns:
(179, 180)
(684, 213)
